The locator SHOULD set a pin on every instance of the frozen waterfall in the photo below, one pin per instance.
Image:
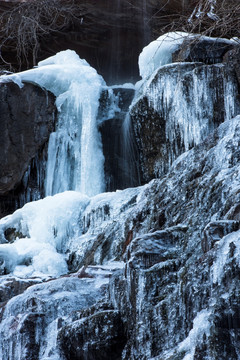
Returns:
(159, 263)
(75, 158)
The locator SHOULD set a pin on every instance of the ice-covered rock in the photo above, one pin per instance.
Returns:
(34, 317)
(186, 293)
(180, 105)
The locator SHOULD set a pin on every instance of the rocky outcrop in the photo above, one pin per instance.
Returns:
(153, 271)
(203, 50)
(181, 105)
(27, 119)
(173, 297)
(169, 284)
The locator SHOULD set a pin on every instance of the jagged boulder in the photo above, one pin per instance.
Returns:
(206, 50)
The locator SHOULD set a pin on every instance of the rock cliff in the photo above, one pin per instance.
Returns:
(149, 272)
(26, 121)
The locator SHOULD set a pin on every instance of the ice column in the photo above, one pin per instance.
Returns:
(75, 158)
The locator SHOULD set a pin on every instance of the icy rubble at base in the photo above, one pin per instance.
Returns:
(47, 229)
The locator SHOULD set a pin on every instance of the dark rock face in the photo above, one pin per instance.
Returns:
(121, 171)
(178, 109)
(97, 337)
(27, 119)
(206, 51)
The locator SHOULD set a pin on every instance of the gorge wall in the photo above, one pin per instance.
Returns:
(147, 272)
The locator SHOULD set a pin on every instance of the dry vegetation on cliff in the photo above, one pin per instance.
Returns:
(218, 18)
(25, 24)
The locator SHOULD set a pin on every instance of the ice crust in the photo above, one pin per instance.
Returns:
(43, 228)
(184, 94)
(57, 298)
(159, 52)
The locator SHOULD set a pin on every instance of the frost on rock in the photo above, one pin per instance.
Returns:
(33, 318)
(160, 51)
(150, 272)
(170, 284)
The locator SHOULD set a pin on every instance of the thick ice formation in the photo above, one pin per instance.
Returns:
(159, 52)
(48, 304)
(43, 227)
(189, 98)
(75, 159)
